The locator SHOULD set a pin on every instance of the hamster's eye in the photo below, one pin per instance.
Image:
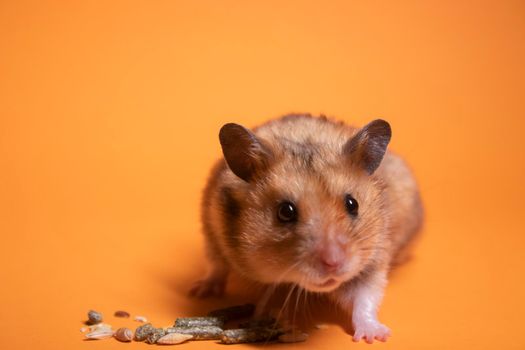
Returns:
(351, 205)
(287, 212)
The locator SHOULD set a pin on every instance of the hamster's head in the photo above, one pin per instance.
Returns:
(309, 213)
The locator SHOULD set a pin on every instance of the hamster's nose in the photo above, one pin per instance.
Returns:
(331, 259)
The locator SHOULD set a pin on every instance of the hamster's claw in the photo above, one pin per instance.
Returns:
(370, 330)
(208, 287)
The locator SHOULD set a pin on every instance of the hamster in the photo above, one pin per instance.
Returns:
(314, 202)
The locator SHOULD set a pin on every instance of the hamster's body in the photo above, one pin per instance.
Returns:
(314, 202)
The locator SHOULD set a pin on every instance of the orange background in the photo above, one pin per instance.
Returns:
(109, 114)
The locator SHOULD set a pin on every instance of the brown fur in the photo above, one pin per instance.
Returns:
(306, 162)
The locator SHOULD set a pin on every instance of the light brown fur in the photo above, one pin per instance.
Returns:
(305, 163)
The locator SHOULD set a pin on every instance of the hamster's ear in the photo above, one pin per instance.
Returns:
(368, 146)
(245, 154)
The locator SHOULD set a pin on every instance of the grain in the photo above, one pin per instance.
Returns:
(174, 338)
(124, 334)
(198, 332)
(99, 334)
(141, 319)
(94, 317)
(122, 314)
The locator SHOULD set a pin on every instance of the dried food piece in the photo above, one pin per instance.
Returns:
(249, 335)
(100, 334)
(198, 332)
(293, 337)
(199, 321)
(124, 335)
(142, 332)
(174, 338)
(269, 322)
(123, 314)
(156, 335)
(100, 326)
(234, 312)
(94, 317)
(140, 319)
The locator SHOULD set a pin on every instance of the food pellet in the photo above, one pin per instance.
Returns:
(198, 332)
(199, 321)
(234, 312)
(156, 335)
(94, 317)
(122, 314)
(293, 337)
(174, 338)
(142, 332)
(141, 319)
(249, 335)
(124, 335)
(100, 334)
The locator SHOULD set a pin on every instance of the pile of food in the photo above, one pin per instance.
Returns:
(210, 327)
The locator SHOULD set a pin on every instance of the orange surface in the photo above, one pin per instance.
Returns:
(109, 114)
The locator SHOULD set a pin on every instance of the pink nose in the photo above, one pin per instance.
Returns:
(330, 261)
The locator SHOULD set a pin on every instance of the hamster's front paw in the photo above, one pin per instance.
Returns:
(211, 286)
(370, 330)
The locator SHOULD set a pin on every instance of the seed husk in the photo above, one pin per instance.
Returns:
(234, 312)
(100, 327)
(249, 335)
(100, 334)
(142, 332)
(123, 314)
(199, 321)
(94, 317)
(124, 334)
(140, 319)
(156, 335)
(198, 332)
(293, 337)
(174, 338)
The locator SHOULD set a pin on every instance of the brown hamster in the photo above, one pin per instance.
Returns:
(313, 202)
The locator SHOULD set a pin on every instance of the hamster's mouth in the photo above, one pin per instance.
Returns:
(326, 286)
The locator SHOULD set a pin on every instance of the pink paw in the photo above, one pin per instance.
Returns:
(369, 331)
(208, 287)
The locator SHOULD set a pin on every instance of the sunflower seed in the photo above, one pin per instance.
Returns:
(155, 335)
(249, 335)
(124, 334)
(140, 319)
(94, 317)
(198, 332)
(174, 338)
(100, 334)
(142, 332)
(122, 314)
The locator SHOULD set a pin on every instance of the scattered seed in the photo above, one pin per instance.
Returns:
(156, 335)
(234, 312)
(124, 334)
(100, 334)
(140, 319)
(94, 317)
(321, 326)
(122, 314)
(174, 338)
(198, 332)
(100, 326)
(293, 337)
(249, 335)
(199, 321)
(83, 329)
(142, 332)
